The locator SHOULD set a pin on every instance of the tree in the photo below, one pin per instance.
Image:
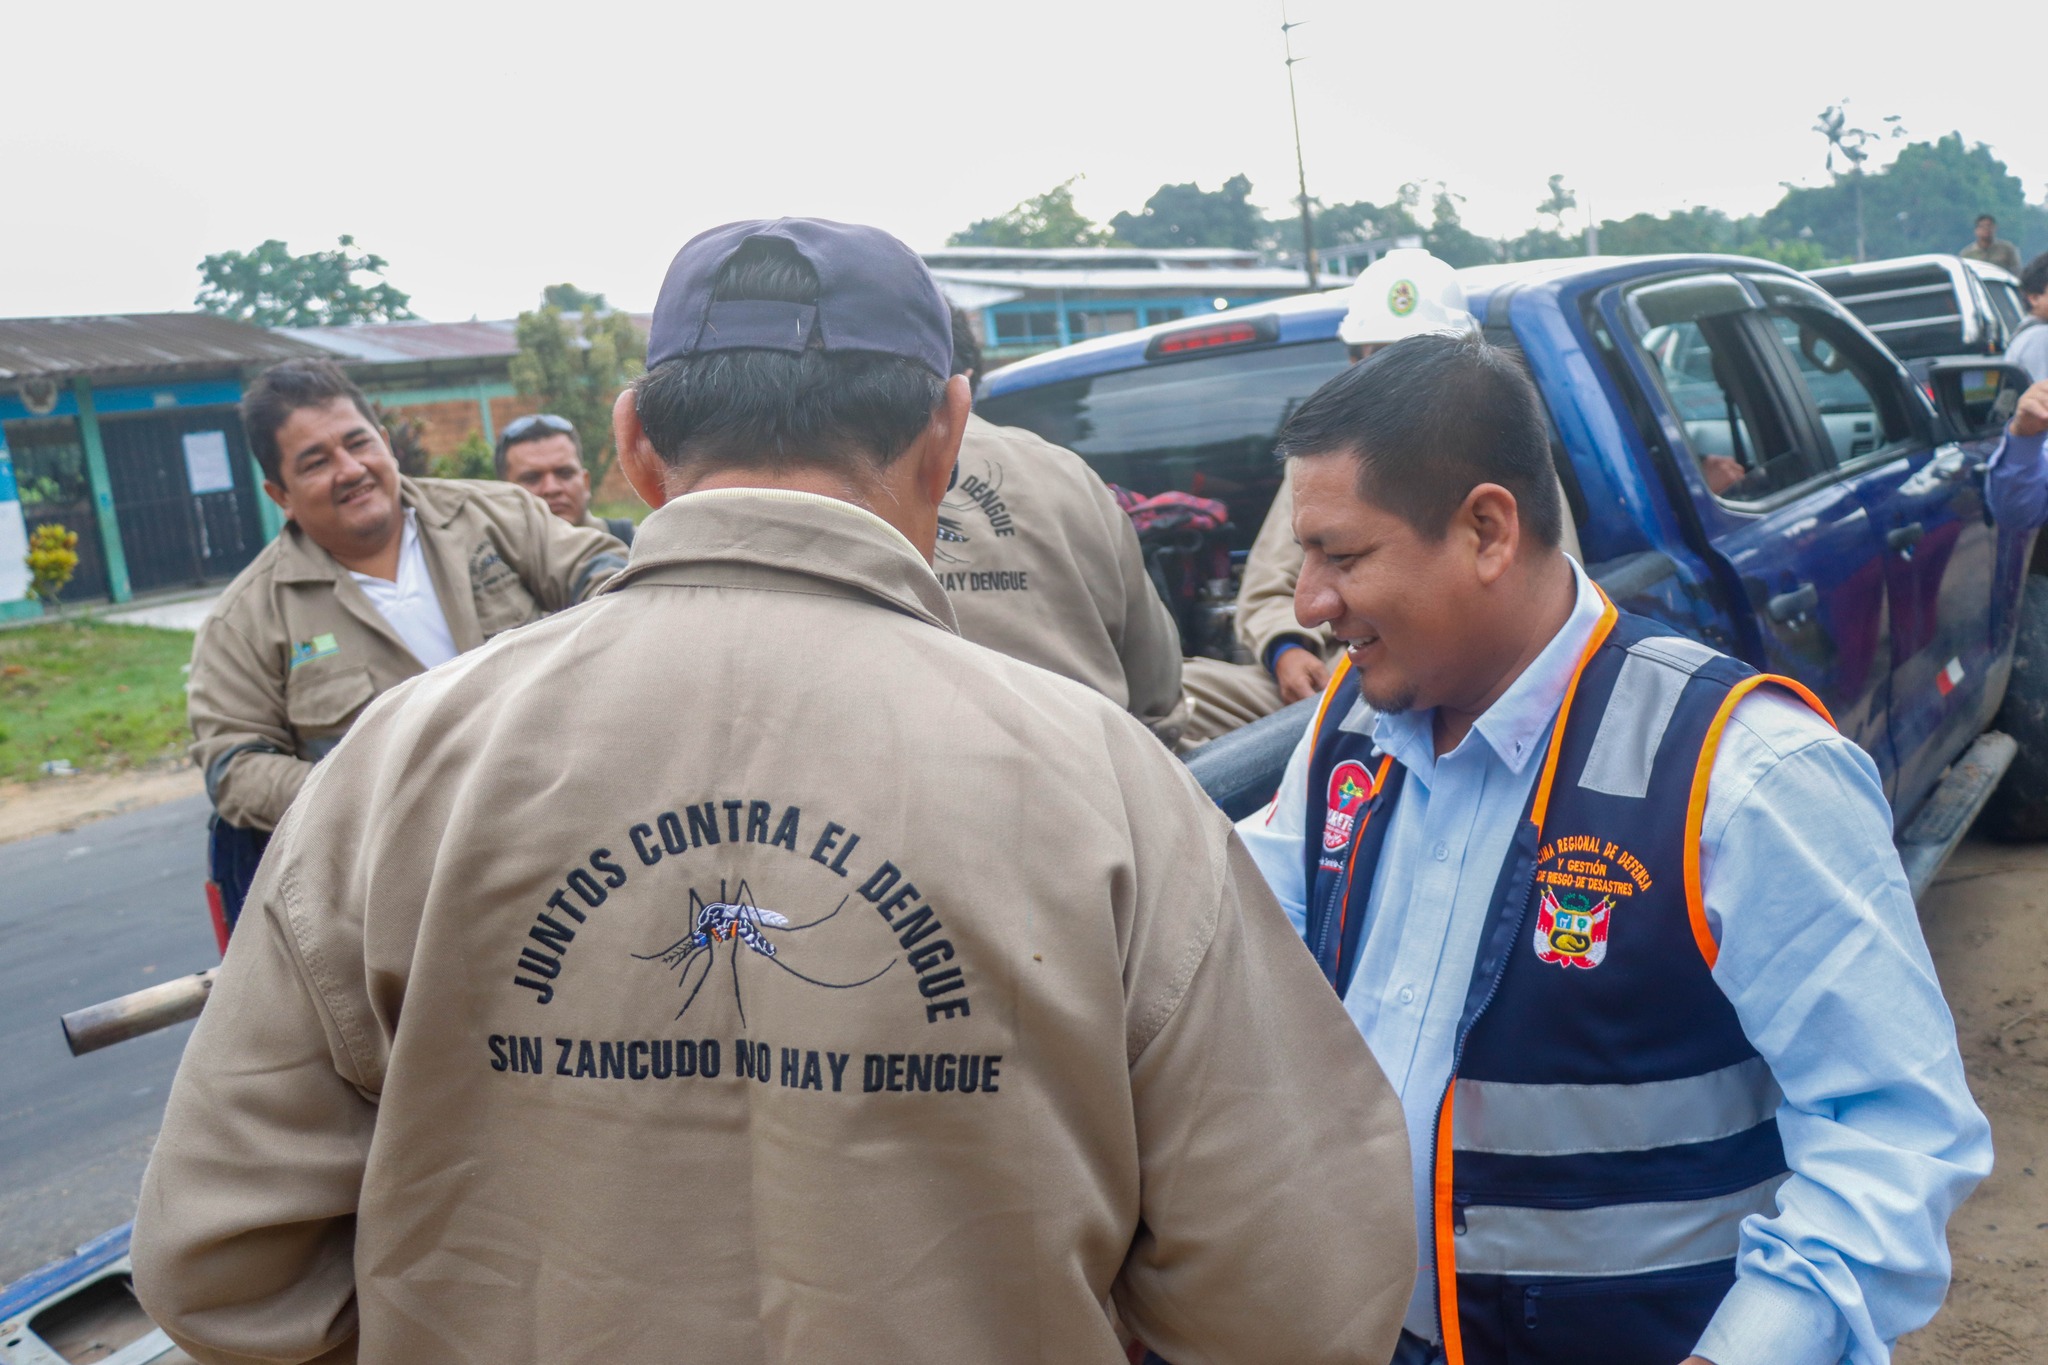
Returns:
(570, 299)
(1188, 215)
(1360, 221)
(1448, 238)
(1851, 145)
(576, 370)
(1560, 202)
(271, 287)
(1926, 200)
(1045, 220)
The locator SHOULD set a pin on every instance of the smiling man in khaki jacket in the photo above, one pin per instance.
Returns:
(375, 578)
(743, 967)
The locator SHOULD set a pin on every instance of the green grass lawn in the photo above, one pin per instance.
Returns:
(634, 510)
(102, 696)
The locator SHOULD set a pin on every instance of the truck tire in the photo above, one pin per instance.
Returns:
(2018, 810)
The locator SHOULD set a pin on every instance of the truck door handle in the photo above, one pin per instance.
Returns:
(1790, 606)
(1904, 538)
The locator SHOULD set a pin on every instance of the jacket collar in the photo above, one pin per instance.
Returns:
(299, 560)
(766, 533)
(1514, 726)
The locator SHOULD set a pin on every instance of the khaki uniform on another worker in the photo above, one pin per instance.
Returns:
(1407, 292)
(1022, 1029)
(1042, 565)
(294, 650)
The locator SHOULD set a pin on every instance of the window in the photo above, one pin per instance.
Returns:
(1201, 426)
(1700, 334)
(1847, 410)
(1100, 322)
(1025, 326)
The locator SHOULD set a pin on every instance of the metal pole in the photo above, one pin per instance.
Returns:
(1308, 235)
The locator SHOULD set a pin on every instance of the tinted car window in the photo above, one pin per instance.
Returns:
(1194, 426)
(1845, 399)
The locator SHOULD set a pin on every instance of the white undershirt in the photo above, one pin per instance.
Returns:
(410, 606)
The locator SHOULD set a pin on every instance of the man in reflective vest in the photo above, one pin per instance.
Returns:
(1620, 918)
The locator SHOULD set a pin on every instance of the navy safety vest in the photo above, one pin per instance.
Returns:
(1607, 1125)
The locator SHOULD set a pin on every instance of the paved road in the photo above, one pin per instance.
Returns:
(108, 908)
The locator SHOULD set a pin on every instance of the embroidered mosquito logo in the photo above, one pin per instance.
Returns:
(737, 922)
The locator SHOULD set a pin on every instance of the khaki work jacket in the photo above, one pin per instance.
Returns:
(294, 649)
(743, 967)
(1043, 566)
(1265, 593)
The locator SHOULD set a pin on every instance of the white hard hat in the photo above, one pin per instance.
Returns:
(1405, 293)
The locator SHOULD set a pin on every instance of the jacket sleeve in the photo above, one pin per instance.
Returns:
(1278, 1218)
(1147, 640)
(560, 564)
(245, 1234)
(241, 739)
(1265, 597)
(2016, 485)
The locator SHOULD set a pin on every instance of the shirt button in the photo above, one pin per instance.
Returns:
(1442, 851)
(1407, 995)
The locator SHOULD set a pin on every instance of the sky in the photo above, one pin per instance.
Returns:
(488, 150)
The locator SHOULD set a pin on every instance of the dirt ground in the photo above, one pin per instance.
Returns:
(1987, 925)
(28, 809)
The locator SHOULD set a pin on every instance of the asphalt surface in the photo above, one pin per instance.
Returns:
(108, 908)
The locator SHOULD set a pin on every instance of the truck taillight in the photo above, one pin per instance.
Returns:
(1212, 336)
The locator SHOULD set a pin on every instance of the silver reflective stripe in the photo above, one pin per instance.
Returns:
(1620, 1239)
(1508, 1119)
(1645, 695)
(1358, 720)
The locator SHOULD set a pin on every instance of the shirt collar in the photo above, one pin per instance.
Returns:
(782, 531)
(1513, 727)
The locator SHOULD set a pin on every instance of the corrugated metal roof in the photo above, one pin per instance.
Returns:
(136, 344)
(1127, 281)
(413, 343)
(403, 343)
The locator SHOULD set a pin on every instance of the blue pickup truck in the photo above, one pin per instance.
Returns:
(1742, 458)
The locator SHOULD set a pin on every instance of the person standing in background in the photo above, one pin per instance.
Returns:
(1988, 246)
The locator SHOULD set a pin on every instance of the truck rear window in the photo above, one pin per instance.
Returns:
(1202, 426)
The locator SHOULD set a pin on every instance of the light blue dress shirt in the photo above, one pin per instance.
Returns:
(1820, 953)
(2017, 485)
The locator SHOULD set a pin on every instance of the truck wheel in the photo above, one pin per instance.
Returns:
(2018, 810)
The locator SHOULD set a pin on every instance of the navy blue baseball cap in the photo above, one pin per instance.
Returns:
(874, 294)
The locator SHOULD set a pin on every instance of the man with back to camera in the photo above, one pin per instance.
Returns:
(1987, 245)
(1621, 919)
(543, 454)
(1043, 565)
(374, 579)
(636, 982)
(1407, 292)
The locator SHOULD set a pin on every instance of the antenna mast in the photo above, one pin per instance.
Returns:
(1308, 236)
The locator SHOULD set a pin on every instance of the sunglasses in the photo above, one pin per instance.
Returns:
(522, 427)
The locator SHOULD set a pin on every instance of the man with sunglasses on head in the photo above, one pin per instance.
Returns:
(543, 454)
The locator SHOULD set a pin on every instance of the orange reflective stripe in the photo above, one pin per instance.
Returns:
(1446, 1252)
(1696, 805)
(1608, 616)
(1379, 784)
(1329, 691)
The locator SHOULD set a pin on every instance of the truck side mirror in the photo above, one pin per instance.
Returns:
(1976, 397)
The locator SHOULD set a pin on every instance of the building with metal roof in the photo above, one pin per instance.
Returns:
(124, 429)
(1026, 299)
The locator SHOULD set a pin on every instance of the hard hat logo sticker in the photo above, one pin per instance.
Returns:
(1402, 298)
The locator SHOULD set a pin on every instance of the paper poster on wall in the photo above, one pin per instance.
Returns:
(206, 462)
(13, 534)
